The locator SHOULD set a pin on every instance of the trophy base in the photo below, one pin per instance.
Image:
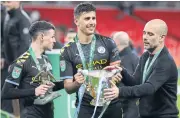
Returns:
(47, 98)
(101, 102)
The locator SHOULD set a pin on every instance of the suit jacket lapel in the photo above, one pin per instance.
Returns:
(144, 59)
(154, 64)
(151, 69)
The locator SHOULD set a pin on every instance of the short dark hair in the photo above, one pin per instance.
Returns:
(83, 7)
(39, 27)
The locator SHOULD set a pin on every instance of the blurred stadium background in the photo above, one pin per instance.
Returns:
(129, 16)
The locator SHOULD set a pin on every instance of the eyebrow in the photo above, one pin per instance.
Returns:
(151, 33)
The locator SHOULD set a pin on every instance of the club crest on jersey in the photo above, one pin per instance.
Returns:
(16, 72)
(101, 49)
(62, 65)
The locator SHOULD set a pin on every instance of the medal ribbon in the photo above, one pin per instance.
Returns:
(147, 68)
(90, 67)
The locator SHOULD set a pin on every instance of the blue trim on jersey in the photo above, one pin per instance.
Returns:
(67, 77)
(11, 82)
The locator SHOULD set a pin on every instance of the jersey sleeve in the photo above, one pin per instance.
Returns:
(66, 68)
(15, 73)
(113, 50)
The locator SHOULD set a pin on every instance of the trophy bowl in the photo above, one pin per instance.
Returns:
(97, 81)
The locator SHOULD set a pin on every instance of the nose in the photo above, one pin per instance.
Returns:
(92, 21)
(144, 37)
(53, 40)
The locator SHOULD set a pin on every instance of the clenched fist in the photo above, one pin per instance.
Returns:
(79, 78)
(41, 90)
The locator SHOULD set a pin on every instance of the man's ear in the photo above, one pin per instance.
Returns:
(41, 36)
(162, 38)
(76, 21)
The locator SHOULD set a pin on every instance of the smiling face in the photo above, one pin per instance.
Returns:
(86, 22)
(48, 39)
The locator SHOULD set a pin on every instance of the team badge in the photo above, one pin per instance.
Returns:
(16, 72)
(101, 49)
(62, 65)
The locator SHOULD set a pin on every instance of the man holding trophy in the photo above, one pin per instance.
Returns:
(30, 78)
(89, 51)
(155, 78)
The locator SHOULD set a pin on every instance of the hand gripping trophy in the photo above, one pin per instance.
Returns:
(95, 89)
(45, 78)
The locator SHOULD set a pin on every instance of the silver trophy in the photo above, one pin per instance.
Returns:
(95, 86)
(45, 77)
(98, 80)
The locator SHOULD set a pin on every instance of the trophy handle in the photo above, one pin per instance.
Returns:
(51, 76)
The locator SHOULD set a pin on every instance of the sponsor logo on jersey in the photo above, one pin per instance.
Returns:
(96, 63)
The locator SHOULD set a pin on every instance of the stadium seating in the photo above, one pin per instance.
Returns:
(108, 22)
(172, 18)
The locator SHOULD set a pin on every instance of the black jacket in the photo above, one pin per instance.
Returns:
(129, 60)
(158, 95)
(3, 14)
(15, 34)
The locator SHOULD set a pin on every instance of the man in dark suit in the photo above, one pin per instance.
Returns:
(6, 105)
(155, 78)
(129, 60)
(15, 31)
(16, 41)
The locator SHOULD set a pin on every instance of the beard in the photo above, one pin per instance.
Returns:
(152, 49)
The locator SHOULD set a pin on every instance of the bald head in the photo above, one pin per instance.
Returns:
(122, 38)
(154, 34)
(158, 25)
